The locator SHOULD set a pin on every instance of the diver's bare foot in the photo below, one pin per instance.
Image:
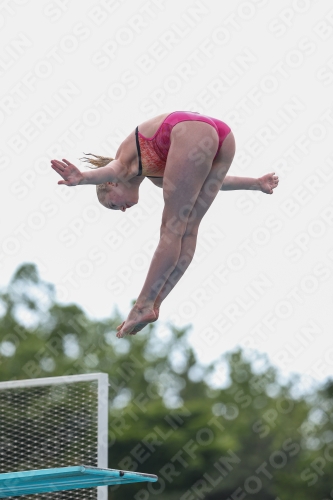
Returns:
(268, 182)
(137, 319)
(157, 310)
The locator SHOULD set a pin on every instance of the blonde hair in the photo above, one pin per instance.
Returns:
(96, 162)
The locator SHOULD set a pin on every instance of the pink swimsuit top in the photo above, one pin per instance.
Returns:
(153, 151)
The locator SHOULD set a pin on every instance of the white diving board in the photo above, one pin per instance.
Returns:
(65, 478)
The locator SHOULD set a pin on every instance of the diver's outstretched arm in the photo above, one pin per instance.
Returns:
(114, 171)
(266, 183)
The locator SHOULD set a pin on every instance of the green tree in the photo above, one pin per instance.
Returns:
(168, 415)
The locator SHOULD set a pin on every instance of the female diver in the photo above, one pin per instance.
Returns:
(187, 154)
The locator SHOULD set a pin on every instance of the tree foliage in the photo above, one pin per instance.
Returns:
(251, 437)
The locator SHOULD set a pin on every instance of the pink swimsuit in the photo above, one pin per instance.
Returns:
(153, 151)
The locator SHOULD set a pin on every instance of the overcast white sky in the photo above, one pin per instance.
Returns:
(79, 76)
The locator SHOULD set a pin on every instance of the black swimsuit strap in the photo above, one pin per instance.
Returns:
(139, 151)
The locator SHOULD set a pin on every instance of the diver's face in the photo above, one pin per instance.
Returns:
(119, 197)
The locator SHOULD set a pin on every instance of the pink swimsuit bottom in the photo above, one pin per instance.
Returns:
(153, 151)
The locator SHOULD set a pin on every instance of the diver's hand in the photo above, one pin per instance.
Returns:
(268, 182)
(69, 172)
